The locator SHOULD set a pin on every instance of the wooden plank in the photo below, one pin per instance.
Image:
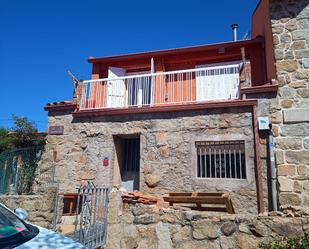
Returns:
(206, 200)
(198, 199)
(214, 209)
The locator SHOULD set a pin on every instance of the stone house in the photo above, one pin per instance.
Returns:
(186, 119)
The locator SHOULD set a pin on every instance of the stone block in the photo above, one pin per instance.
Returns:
(306, 186)
(195, 244)
(161, 138)
(152, 180)
(298, 186)
(228, 228)
(302, 74)
(276, 117)
(297, 157)
(146, 219)
(289, 199)
(289, 143)
(285, 184)
(204, 229)
(303, 53)
(302, 170)
(291, 25)
(285, 38)
(300, 34)
(279, 157)
(276, 39)
(183, 233)
(297, 84)
(227, 242)
(304, 93)
(298, 45)
(303, 23)
(301, 129)
(306, 143)
(164, 151)
(277, 29)
(245, 241)
(286, 170)
(259, 229)
(279, 54)
(164, 237)
(287, 103)
(287, 92)
(275, 130)
(285, 227)
(288, 55)
(306, 63)
(287, 65)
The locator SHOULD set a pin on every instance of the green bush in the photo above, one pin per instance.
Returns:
(294, 243)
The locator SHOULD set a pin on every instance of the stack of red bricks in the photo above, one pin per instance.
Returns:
(138, 197)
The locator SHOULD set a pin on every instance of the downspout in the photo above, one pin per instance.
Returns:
(258, 163)
(273, 176)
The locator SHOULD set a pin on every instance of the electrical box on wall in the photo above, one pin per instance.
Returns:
(263, 123)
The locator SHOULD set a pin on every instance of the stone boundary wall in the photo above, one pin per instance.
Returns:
(290, 28)
(39, 207)
(140, 226)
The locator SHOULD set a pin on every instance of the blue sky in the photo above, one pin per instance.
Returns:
(41, 40)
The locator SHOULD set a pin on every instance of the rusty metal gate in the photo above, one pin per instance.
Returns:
(91, 216)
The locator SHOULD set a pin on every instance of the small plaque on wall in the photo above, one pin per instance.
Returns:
(56, 130)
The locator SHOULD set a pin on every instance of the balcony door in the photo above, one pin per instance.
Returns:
(139, 89)
(116, 88)
(217, 82)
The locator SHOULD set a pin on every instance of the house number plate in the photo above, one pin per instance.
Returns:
(56, 130)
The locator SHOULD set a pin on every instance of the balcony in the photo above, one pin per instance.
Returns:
(205, 83)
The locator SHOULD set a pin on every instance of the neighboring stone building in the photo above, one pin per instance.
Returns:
(290, 28)
(185, 120)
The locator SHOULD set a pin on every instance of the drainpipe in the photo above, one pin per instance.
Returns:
(273, 177)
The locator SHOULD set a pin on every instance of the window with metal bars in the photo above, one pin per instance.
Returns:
(221, 159)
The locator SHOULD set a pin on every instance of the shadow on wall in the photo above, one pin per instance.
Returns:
(161, 115)
(288, 9)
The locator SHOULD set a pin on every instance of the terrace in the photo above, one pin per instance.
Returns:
(205, 83)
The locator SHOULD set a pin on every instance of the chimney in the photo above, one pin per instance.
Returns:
(235, 28)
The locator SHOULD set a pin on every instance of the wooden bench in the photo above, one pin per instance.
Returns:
(219, 202)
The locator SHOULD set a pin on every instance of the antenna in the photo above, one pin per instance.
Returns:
(75, 82)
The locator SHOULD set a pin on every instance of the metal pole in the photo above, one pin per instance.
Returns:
(234, 28)
(273, 172)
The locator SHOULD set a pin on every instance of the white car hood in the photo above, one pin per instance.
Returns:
(47, 239)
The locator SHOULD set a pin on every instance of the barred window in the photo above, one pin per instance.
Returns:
(221, 159)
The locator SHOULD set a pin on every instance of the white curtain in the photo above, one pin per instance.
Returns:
(217, 82)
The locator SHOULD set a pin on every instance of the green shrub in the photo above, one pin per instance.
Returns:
(294, 243)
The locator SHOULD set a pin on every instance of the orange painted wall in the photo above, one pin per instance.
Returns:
(261, 26)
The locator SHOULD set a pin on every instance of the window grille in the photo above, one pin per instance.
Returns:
(221, 159)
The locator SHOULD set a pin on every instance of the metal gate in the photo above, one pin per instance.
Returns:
(91, 216)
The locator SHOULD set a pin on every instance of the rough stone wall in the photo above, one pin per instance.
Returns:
(290, 27)
(140, 226)
(39, 207)
(168, 154)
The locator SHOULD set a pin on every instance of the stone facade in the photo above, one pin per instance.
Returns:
(140, 226)
(290, 27)
(40, 207)
(167, 150)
